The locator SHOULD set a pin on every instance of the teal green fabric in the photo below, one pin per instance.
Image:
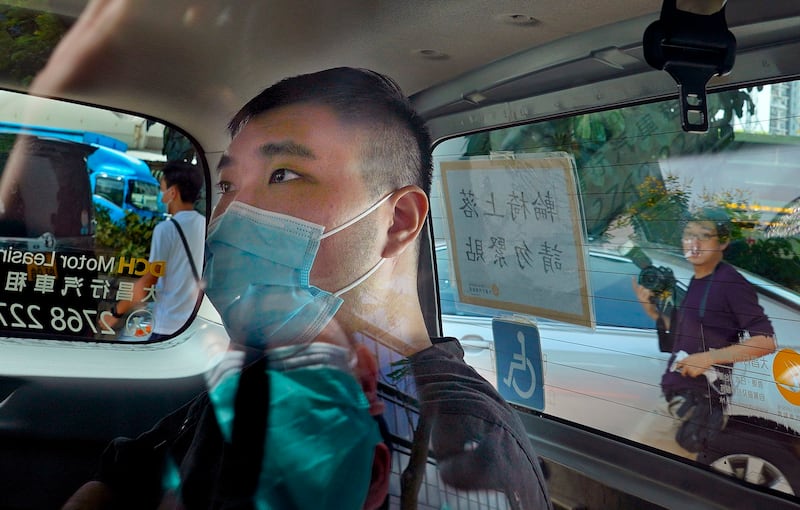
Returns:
(320, 439)
(171, 480)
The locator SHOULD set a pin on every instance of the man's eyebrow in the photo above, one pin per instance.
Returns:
(223, 162)
(287, 148)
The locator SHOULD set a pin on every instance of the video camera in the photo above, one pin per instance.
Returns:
(660, 280)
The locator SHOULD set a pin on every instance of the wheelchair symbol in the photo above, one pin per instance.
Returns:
(521, 362)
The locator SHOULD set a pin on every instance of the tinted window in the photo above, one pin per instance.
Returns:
(614, 300)
(46, 193)
(637, 178)
(71, 247)
(144, 195)
(112, 190)
(448, 290)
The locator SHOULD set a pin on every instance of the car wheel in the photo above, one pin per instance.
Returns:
(761, 459)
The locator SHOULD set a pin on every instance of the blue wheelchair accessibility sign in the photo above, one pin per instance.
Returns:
(518, 355)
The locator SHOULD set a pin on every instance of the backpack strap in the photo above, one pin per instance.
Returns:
(243, 457)
(186, 247)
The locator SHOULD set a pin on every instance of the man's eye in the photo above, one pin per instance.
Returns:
(282, 175)
(224, 187)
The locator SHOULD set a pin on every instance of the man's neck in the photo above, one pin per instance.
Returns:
(701, 271)
(181, 206)
(403, 337)
(386, 308)
(394, 319)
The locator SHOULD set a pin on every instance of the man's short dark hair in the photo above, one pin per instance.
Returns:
(398, 148)
(718, 216)
(187, 177)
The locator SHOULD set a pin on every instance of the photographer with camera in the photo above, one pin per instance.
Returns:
(719, 323)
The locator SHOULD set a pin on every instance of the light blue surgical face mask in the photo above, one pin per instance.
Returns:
(257, 276)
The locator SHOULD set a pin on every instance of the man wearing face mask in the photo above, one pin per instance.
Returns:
(178, 243)
(337, 163)
(312, 257)
(718, 323)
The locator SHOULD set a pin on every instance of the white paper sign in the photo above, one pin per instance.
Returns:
(517, 236)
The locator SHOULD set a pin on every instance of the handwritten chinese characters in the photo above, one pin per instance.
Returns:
(516, 235)
(517, 209)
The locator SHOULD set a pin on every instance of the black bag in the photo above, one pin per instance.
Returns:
(703, 417)
(665, 338)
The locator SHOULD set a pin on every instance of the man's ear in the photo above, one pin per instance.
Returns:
(379, 483)
(410, 207)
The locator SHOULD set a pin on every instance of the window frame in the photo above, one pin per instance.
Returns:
(614, 462)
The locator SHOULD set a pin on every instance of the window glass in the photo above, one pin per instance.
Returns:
(79, 207)
(111, 189)
(144, 195)
(616, 304)
(655, 206)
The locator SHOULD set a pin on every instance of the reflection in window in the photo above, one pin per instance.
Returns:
(144, 195)
(78, 207)
(46, 192)
(30, 37)
(110, 189)
(639, 176)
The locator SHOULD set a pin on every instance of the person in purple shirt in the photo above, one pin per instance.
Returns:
(719, 323)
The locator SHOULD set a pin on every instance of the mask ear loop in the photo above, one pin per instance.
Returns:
(360, 280)
(357, 218)
(346, 224)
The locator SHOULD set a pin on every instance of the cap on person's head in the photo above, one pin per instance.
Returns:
(718, 216)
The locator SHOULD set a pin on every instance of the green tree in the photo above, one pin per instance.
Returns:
(657, 213)
(775, 258)
(27, 38)
(616, 151)
(131, 238)
(176, 146)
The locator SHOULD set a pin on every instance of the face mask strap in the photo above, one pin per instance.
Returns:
(357, 218)
(346, 224)
(361, 280)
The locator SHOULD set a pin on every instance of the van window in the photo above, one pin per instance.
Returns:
(111, 189)
(77, 215)
(144, 195)
(636, 179)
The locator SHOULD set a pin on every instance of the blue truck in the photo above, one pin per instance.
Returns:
(120, 183)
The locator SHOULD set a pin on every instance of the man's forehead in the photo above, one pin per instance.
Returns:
(308, 116)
